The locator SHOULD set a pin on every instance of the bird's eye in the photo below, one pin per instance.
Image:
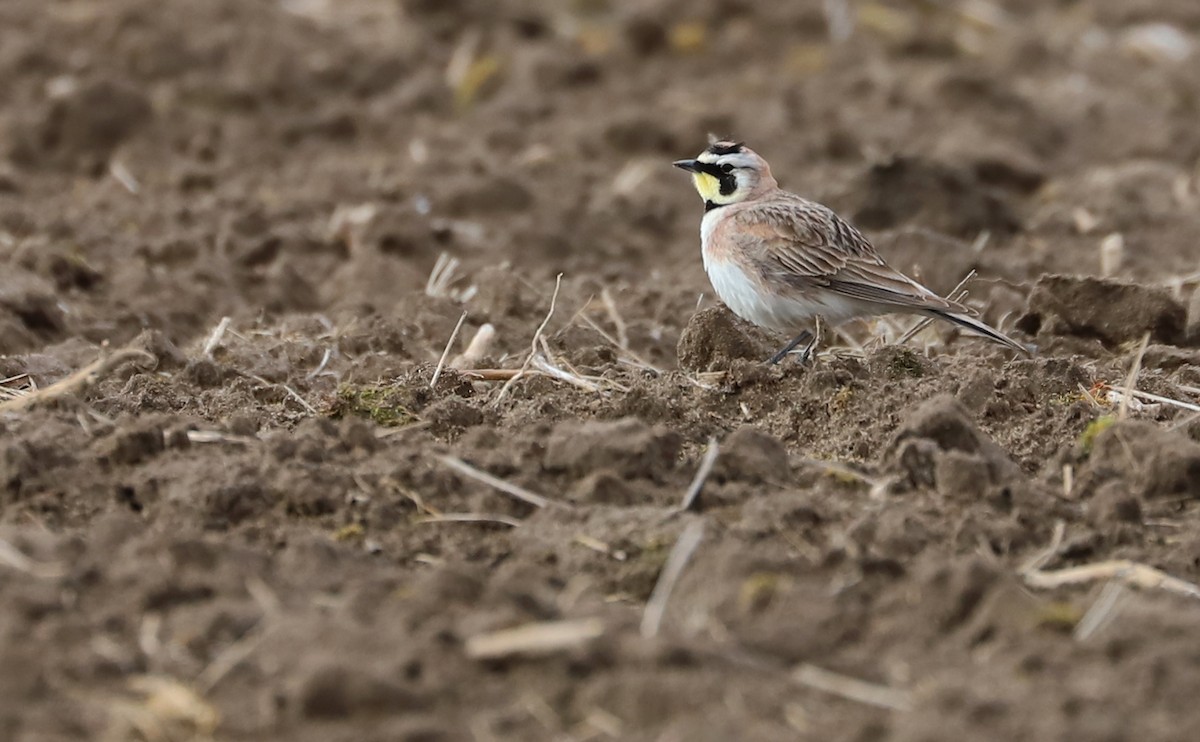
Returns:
(727, 168)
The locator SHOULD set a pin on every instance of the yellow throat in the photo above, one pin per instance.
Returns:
(708, 187)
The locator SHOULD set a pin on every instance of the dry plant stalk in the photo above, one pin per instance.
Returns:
(216, 336)
(495, 374)
(1139, 394)
(288, 391)
(614, 316)
(533, 344)
(12, 392)
(1043, 557)
(838, 469)
(1131, 379)
(534, 639)
(82, 378)
(216, 436)
(476, 349)
(165, 709)
(692, 496)
(595, 544)
(956, 294)
(852, 689)
(1123, 570)
(634, 359)
(1112, 254)
(230, 657)
(1113, 597)
(437, 372)
(14, 558)
(503, 520)
(508, 488)
(677, 560)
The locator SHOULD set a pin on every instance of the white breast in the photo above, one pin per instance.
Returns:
(786, 309)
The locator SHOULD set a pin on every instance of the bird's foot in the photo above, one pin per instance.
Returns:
(809, 354)
(804, 337)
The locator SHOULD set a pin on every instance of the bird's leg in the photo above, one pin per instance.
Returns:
(804, 337)
(817, 336)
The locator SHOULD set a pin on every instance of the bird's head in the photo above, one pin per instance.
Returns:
(728, 172)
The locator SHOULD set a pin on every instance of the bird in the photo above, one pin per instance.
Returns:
(786, 263)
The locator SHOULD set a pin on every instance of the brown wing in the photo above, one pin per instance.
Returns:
(805, 245)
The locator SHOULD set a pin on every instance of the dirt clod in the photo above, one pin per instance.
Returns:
(750, 455)
(1112, 312)
(939, 445)
(336, 691)
(85, 124)
(715, 337)
(627, 447)
(1149, 461)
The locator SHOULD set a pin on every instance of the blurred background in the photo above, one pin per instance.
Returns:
(301, 155)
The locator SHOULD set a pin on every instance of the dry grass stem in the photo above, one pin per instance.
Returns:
(841, 470)
(495, 374)
(503, 520)
(534, 639)
(1137, 393)
(320, 366)
(1043, 557)
(633, 359)
(216, 436)
(692, 496)
(229, 658)
(677, 560)
(347, 223)
(80, 379)
(10, 390)
(570, 375)
(479, 346)
(409, 494)
(533, 344)
(508, 488)
(614, 316)
(1112, 254)
(956, 294)
(1068, 480)
(441, 276)
(1131, 379)
(382, 433)
(1184, 422)
(1087, 394)
(1128, 572)
(437, 372)
(980, 244)
(14, 558)
(164, 710)
(852, 689)
(595, 544)
(707, 380)
(124, 176)
(839, 20)
(1113, 597)
(288, 391)
(216, 336)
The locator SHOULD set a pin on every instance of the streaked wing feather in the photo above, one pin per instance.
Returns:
(882, 284)
(806, 245)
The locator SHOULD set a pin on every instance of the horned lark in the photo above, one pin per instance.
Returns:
(786, 263)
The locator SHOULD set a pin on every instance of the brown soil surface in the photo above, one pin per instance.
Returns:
(250, 530)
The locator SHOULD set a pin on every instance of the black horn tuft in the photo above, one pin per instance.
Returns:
(725, 147)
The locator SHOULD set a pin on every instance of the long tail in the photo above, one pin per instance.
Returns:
(982, 329)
